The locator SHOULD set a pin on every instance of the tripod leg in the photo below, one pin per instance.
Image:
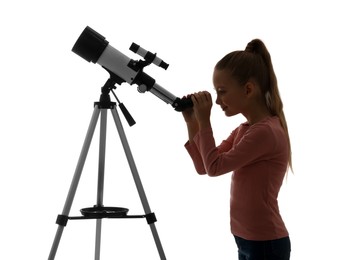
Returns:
(75, 182)
(101, 171)
(137, 180)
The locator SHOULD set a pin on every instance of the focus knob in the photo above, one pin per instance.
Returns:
(142, 88)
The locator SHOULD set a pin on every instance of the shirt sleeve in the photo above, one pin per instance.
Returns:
(195, 155)
(233, 155)
(196, 158)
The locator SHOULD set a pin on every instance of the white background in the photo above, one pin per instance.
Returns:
(47, 95)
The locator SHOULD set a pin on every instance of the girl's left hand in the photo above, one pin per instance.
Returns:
(202, 107)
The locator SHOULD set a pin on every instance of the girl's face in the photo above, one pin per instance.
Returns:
(231, 96)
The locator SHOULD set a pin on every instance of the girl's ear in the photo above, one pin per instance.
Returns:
(250, 88)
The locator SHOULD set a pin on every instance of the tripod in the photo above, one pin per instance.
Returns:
(99, 211)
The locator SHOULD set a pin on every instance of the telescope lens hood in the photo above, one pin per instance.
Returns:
(90, 45)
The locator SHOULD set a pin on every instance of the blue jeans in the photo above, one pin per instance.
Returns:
(278, 249)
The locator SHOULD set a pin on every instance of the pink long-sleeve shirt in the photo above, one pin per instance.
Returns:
(258, 157)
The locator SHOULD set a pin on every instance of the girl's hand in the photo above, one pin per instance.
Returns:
(191, 121)
(202, 108)
(188, 114)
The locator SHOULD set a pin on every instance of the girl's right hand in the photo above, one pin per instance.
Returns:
(188, 114)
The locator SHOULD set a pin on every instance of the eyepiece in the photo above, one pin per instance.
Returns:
(180, 104)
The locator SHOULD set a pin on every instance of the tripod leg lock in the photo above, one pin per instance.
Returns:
(151, 218)
(62, 220)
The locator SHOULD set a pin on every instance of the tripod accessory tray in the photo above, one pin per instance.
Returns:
(99, 212)
(104, 212)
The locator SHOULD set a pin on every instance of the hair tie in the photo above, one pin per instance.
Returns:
(268, 98)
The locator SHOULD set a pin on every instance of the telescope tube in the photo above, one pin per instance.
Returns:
(93, 47)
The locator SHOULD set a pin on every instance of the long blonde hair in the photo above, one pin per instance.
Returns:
(255, 63)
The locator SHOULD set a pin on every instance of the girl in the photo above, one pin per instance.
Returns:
(258, 152)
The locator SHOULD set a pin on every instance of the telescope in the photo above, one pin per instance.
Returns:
(94, 48)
